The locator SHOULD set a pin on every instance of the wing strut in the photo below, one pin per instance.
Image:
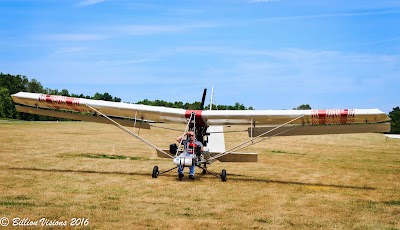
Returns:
(192, 117)
(254, 140)
(129, 132)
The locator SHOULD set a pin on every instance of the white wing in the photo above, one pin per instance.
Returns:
(213, 117)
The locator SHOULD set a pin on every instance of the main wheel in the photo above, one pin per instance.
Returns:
(223, 175)
(155, 172)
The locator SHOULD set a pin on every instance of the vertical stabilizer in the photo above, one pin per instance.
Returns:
(216, 139)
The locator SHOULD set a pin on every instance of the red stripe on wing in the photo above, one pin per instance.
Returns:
(198, 116)
(332, 116)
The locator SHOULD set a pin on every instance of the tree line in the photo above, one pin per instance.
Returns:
(194, 105)
(11, 84)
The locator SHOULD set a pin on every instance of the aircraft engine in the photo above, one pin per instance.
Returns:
(184, 161)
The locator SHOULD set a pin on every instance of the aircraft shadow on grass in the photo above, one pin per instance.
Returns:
(304, 183)
(82, 171)
(235, 177)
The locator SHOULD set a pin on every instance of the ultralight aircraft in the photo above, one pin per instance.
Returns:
(207, 125)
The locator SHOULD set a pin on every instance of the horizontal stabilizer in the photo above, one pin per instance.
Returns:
(238, 157)
(81, 117)
(320, 129)
(162, 155)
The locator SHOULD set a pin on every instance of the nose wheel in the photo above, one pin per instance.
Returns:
(155, 172)
(223, 175)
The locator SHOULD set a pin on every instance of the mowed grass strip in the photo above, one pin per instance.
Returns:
(71, 170)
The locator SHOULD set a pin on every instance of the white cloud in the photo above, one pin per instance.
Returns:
(89, 2)
(71, 49)
(122, 30)
(295, 70)
(353, 14)
(156, 29)
(73, 37)
(256, 1)
(149, 29)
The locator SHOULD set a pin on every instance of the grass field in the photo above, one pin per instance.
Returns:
(66, 170)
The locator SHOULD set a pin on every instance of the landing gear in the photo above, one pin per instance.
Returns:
(155, 172)
(223, 175)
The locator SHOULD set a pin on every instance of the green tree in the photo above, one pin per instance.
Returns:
(303, 107)
(107, 97)
(35, 87)
(239, 106)
(144, 102)
(98, 96)
(178, 104)
(51, 91)
(7, 109)
(64, 92)
(14, 84)
(116, 99)
(395, 122)
(195, 105)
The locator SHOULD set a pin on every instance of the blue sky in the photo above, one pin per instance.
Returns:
(269, 54)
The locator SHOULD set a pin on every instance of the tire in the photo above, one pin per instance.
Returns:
(155, 172)
(223, 175)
